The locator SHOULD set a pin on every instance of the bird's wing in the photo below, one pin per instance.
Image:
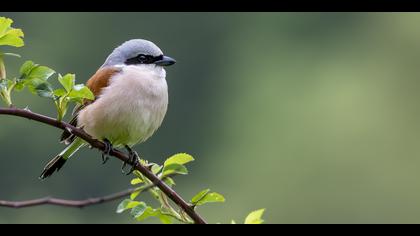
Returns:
(96, 83)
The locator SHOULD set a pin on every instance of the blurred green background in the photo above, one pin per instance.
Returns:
(314, 116)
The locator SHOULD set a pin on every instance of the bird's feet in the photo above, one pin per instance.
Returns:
(133, 160)
(107, 151)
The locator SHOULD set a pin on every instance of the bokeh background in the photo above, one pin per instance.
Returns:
(313, 116)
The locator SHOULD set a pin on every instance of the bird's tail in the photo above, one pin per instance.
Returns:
(57, 162)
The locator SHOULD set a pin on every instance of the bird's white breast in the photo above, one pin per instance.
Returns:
(130, 109)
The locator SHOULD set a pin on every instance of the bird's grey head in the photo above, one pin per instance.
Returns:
(138, 51)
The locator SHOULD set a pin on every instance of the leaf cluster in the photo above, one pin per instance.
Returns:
(165, 212)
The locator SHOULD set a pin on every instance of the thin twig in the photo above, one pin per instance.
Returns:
(66, 203)
(74, 203)
(175, 197)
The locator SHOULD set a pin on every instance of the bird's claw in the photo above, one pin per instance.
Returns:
(107, 151)
(133, 161)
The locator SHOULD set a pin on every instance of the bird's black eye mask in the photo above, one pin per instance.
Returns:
(143, 59)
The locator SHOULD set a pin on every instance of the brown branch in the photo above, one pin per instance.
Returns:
(175, 197)
(67, 203)
(74, 203)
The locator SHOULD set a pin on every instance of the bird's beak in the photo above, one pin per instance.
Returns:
(165, 61)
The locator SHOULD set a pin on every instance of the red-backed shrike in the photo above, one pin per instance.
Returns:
(131, 99)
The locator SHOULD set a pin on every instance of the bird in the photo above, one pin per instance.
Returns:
(131, 100)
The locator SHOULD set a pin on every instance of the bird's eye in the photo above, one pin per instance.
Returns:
(142, 58)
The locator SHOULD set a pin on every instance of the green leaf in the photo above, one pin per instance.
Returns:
(144, 162)
(81, 91)
(76, 100)
(61, 105)
(19, 86)
(44, 90)
(233, 222)
(67, 81)
(8, 35)
(199, 196)
(12, 38)
(169, 181)
(5, 24)
(138, 174)
(122, 206)
(210, 197)
(174, 169)
(40, 72)
(26, 68)
(33, 84)
(135, 194)
(255, 217)
(175, 164)
(156, 168)
(148, 212)
(138, 210)
(127, 204)
(180, 158)
(59, 92)
(136, 181)
(165, 219)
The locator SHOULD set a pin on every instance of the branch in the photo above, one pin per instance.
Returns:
(74, 203)
(175, 197)
(67, 203)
